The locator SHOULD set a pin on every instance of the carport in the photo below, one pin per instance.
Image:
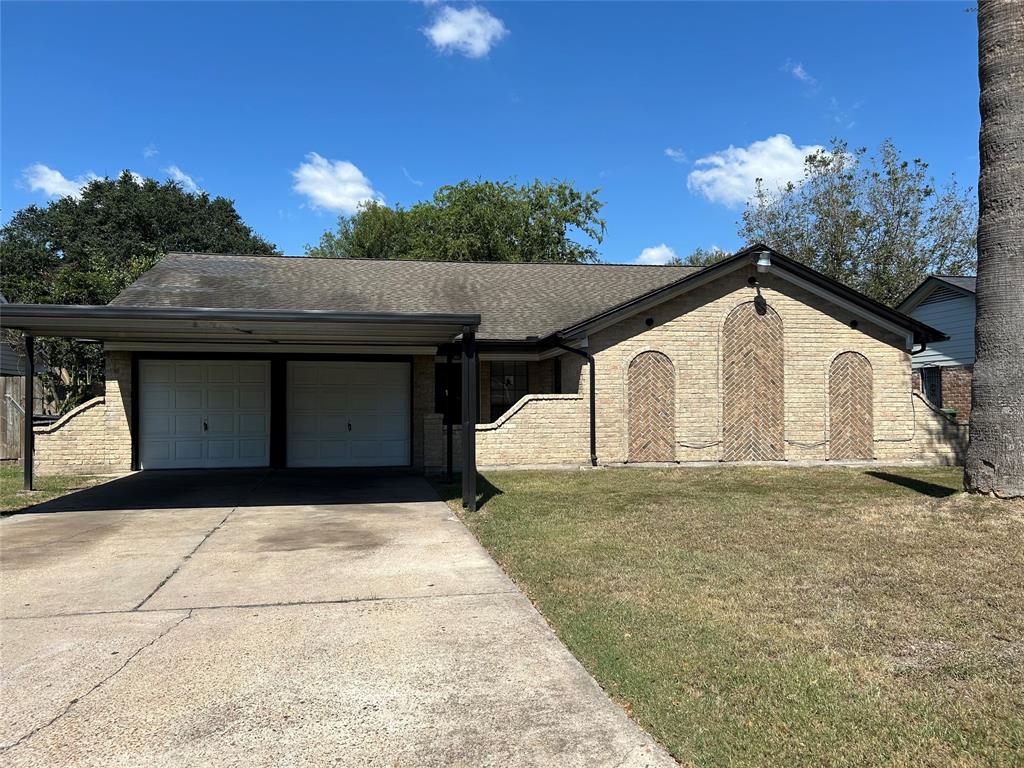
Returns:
(217, 381)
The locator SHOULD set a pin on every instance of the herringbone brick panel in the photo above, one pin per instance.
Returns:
(753, 374)
(851, 421)
(652, 408)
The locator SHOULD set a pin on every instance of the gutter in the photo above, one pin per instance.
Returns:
(593, 393)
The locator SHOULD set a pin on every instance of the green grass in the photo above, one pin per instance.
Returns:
(14, 499)
(781, 617)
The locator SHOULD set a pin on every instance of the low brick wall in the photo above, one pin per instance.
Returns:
(937, 438)
(539, 429)
(75, 444)
(95, 437)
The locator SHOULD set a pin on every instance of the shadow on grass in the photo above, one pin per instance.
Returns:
(921, 486)
(485, 490)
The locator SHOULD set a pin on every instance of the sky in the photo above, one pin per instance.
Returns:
(298, 111)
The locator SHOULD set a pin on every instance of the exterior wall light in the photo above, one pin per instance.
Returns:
(764, 261)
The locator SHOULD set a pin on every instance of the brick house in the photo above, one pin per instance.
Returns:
(943, 371)
(228, 361)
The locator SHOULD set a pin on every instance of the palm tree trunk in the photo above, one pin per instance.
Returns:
(995, 456)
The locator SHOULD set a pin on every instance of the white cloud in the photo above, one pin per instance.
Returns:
(150, 151)
(137, 178)
(336, 185)
(53, 183)
(471, 32)
(675, 155)
(729, 176)
(655, 254)
(409, 177)
(796, 69)
(187, 182)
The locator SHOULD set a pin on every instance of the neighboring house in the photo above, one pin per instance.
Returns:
(943, 370)
(228, 361)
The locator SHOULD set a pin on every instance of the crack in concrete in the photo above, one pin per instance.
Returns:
(283, 604)
(71, 704)
(202, 541)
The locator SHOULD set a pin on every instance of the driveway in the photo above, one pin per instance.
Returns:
(281, 618)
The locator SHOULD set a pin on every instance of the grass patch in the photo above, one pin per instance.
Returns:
(13, 499)
(784, 617)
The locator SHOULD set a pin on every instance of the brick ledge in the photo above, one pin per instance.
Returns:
(68, 416)
(522, 404)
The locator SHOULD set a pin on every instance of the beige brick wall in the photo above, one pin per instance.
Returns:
(96, 436)
(539, 429)
(688, 330)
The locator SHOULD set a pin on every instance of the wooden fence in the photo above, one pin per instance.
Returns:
(12, 399)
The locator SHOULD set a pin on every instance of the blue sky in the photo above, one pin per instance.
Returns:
(296, 111)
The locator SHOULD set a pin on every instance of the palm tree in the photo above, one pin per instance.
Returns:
(995, 457)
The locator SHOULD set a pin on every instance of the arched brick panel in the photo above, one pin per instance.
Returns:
(851, 425)
(753, 376)
(652, 408)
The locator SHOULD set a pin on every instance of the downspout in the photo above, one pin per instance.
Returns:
(593, 395)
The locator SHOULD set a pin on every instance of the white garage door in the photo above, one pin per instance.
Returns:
(348, 414)
(198, 413)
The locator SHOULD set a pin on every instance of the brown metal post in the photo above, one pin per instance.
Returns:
(449, 411)
(30, 374)
(469, 411)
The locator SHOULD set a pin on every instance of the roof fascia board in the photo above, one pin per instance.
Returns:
(23, 312)
(906, 334)
(654, 298)
(264, 348)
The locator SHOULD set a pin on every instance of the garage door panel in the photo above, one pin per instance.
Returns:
(187, 424)
(187, 398)
(220, 449)
(196, 414)
(221, 398)
(188, 450)
(252, 424)
(189, 373)
(356, 415)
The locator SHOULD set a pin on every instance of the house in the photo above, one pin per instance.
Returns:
(943, 370)
(229, 361)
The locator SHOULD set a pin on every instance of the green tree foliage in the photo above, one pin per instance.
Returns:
(700, 257)
(86, 250)
(875, 222)
(475, 221)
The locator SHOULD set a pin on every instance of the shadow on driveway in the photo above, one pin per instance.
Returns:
(207, 488)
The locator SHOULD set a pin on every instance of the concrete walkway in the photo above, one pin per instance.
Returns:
(257, 618)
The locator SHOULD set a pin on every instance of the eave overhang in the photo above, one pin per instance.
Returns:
(914, 331)
(177, 324)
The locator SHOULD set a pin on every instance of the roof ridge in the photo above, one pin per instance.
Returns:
(432, 261)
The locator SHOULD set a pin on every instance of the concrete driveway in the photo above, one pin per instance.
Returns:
(281, 618)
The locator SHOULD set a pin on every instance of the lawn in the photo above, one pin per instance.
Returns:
(781, 617)
(14, 499)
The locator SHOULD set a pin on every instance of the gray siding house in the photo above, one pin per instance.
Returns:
(942, 372)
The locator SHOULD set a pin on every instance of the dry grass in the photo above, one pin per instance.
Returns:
(789, 617)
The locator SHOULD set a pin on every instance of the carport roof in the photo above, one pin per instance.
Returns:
(112, 323)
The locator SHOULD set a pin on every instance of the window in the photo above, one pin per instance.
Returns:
(508, 385)
(931, 385)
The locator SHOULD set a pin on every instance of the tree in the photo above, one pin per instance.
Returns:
(874, 222)
(995, 455)
(475, 221)
(86, 250)
(700, 257)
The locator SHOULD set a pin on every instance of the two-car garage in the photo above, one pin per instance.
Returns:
(221, 413)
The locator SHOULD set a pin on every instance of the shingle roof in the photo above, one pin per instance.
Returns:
(966, 283)
(514, 300)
